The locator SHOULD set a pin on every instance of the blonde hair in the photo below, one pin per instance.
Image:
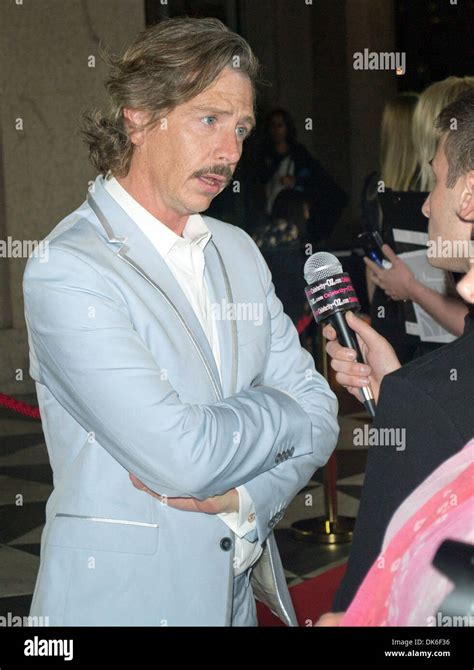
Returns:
(425, 136)
(167, 65)
(398, 162)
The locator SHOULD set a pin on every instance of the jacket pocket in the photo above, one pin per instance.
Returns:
(103, 534)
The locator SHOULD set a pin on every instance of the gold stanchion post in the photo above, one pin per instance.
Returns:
(330, 528)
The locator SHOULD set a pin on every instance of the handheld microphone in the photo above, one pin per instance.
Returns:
(330, 293)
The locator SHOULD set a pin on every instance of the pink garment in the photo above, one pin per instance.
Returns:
(402, 588)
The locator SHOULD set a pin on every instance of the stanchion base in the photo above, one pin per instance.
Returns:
(322, 531)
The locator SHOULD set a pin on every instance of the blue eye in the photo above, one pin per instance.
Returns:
(208, 117)
(244, 132)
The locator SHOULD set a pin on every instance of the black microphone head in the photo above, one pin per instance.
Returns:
(321, 265)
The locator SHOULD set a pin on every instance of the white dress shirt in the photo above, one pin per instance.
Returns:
(185, 258)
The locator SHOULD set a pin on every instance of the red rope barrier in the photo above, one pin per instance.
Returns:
(19, 406)
(303, 323)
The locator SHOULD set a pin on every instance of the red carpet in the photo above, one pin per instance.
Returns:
(311, 598)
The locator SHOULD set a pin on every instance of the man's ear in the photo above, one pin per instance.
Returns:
(135, 119)
(466, 203)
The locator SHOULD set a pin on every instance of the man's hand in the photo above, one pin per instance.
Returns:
(227, 502)
(398, 281)
(379, 355)
(330, 619)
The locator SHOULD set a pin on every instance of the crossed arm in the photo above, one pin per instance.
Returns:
(291, 369)
(102, 373)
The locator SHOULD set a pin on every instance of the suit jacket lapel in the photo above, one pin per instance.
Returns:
(219, 300)
(132, 245)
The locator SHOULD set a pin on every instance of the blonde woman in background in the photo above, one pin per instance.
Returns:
(398, 282)
(398, 158)
(398, 162)
(399, 171)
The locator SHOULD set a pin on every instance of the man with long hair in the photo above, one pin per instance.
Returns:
(180, 412)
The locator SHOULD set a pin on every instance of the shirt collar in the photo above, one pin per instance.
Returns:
(163, 238)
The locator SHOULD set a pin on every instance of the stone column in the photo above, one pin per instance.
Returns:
(51, 73)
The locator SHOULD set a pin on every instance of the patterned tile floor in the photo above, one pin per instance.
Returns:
(26, 483)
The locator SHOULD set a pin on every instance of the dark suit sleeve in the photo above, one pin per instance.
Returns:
(391, 474)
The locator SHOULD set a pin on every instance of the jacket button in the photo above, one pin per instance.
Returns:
(226, 544)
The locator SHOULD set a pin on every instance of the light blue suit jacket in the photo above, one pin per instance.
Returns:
(127, 382)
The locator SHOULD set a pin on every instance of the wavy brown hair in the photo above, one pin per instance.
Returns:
(167, 65)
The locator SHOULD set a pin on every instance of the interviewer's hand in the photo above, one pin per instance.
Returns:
(227, 502)
(398, 281)
(379, 355)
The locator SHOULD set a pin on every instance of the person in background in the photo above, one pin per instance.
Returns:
(398, 171)
(429, 401)
(283, 162)
(282, 243)
(399, 282)
(398, 161)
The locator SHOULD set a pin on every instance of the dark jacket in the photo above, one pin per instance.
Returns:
(284, 253)
(327, 198)
(432, 398)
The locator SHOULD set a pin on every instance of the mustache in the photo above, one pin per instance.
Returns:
(219, 170)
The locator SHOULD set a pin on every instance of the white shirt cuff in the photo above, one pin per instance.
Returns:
(243, 521)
